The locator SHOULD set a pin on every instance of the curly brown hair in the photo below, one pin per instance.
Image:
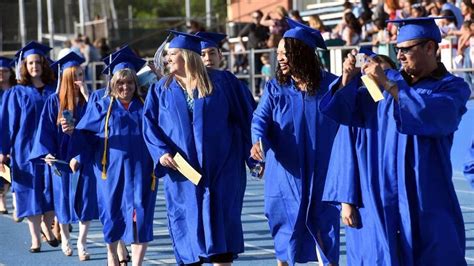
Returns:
(47, 75)
(304, 64)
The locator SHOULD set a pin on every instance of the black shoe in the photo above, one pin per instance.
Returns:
(35, 250)
(54, 243)
(4, 212)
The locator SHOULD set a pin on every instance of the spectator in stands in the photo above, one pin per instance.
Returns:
(257, 35)
(368, 27)
(102, 47)
(266, 68)
(275, 21)
(467, 9)
(417, 11)
(351, 33)
(195, 27)
(448, 24)
(316, 23)
(443, 5)
(295, 15)
(66, 48)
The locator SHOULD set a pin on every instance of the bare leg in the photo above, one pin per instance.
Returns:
(48, 218)
(65, 237)
(3, 197)
(122, 251)
(15, 217)
(223, 264)
(112, 258)
(138, 253)
(35, 230)
(282, 263)
(82, 241)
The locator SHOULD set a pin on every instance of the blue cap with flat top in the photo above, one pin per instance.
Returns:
(212, 39)
(69, 60)
(186, 41)
(309, 36)
(32, 48)
(124, 49)
(417, 28)
(124, 60)
(6, 62)
(367, 51)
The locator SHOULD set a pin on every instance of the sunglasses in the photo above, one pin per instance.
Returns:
(406, 50)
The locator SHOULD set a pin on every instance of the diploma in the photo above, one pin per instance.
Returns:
(186, 169)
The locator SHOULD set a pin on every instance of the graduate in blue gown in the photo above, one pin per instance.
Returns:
(25, 102)
(469, 166)
(126, 185)
(297, 141)
(7, 80)
(196, 112)
(394, 163)
(74, 194)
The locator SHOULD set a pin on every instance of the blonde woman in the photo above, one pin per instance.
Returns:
(199, 113)
(126, 185)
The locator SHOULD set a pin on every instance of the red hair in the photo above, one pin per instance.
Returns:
(68, 92)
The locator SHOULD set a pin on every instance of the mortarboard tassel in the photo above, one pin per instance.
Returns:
(158, 59)
(18, 67)
(106, 140)
(58, 84)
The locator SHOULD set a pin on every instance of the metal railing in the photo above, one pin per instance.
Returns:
(251, 75)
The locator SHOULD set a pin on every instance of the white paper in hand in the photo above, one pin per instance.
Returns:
(373, 88)
(6, 175)
(186, 169)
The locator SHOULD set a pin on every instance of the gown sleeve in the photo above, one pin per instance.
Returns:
(152, 133)
(437, 113)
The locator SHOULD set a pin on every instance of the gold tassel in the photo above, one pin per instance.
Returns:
(106, 140)
(153, 181)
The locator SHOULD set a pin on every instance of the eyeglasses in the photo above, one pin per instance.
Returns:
(406, 50)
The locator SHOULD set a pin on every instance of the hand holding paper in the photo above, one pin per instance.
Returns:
(186, 169)
(5, 173)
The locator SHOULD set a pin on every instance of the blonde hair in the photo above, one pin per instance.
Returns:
(125, 73)
(195, 70)
(68, 93)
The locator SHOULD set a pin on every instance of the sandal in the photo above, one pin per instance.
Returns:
(54, 243)
(82, 253)
(67, 250)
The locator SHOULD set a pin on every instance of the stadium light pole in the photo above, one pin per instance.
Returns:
(208, 14)
(50, 22)
(40, 20)
(21, 4)
(188, 12)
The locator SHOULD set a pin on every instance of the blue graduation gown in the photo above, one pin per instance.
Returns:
(128, 186)
(96, 95)
(70, 203)
(469, 166)
(204, 219)
(297, 140)
(399, 171)
(32, 188)
(3, 98)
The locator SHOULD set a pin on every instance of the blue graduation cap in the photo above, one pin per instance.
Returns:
(417, 28)
(6, 62)
(124, 49)
(69, 60)
(309, 36)
(124, 60)
(212, 39)
(367, 51)
(32, 48)
(186, 41)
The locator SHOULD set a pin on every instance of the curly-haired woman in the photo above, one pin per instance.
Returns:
(297, 141)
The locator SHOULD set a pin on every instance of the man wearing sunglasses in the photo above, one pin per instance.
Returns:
(399, 174)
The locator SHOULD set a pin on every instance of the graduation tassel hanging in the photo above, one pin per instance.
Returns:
(58, 83)
(18, 67)
(106, 140)
(158, 57)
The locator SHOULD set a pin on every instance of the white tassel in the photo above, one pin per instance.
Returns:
(58, 84)
(18, 67)
(158, 59)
